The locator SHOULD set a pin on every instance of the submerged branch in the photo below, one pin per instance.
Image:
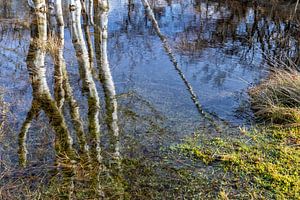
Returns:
(177, 67)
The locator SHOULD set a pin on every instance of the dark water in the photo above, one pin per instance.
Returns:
(223, 48)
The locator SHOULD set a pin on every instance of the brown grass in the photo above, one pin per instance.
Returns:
(277, 99)
(3, 113)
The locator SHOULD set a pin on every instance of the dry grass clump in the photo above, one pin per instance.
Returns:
(51, 46)
(277, 99)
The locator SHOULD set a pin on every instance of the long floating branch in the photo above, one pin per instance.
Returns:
(173, 59)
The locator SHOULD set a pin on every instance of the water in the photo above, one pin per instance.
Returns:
(221, 47)
(209, 41)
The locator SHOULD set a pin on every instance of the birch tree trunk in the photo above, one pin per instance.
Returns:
(101, 35)
(37, 73)
(84, 65)
(60, 67)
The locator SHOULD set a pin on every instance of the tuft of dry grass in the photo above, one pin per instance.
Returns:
(51, 46)
(277, 99)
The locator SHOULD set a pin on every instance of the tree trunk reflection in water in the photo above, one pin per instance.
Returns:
(87, 79)
(101, 36)
(41, 92)
(42, 98)
(87, 33)
(206, 115)
(61, 71)
(53, 108)
(113, 158)
(35, 108)
(93, 98)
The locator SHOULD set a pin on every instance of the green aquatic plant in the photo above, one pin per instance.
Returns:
(261, 162)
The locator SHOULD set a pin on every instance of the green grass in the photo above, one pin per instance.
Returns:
(264, 164)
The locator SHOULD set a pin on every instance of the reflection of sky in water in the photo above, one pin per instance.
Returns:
(216, 77)
(140, 64)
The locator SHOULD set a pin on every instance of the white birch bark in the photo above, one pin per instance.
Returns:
(101, 37)
(84, 65)
(60, 66)
(41, 92)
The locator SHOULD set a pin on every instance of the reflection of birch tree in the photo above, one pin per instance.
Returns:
(87, 78)
(101, 36)
(85, 61)
(101, 8)
(66, 89)
(86, 24)
(41, 93)
(63, 93)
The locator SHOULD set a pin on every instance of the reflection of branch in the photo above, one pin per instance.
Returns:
(23, 133)
(168, 50)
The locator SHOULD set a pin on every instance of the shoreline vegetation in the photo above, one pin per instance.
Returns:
(258, 162)
(277, 99)
(262, 162)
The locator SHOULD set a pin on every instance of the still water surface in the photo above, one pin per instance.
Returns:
(222, 48)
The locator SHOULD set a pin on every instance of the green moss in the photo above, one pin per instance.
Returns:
(268, 161)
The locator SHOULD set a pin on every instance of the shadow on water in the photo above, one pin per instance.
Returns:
(153, 65)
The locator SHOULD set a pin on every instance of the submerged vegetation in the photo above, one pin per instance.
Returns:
(152, 134)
